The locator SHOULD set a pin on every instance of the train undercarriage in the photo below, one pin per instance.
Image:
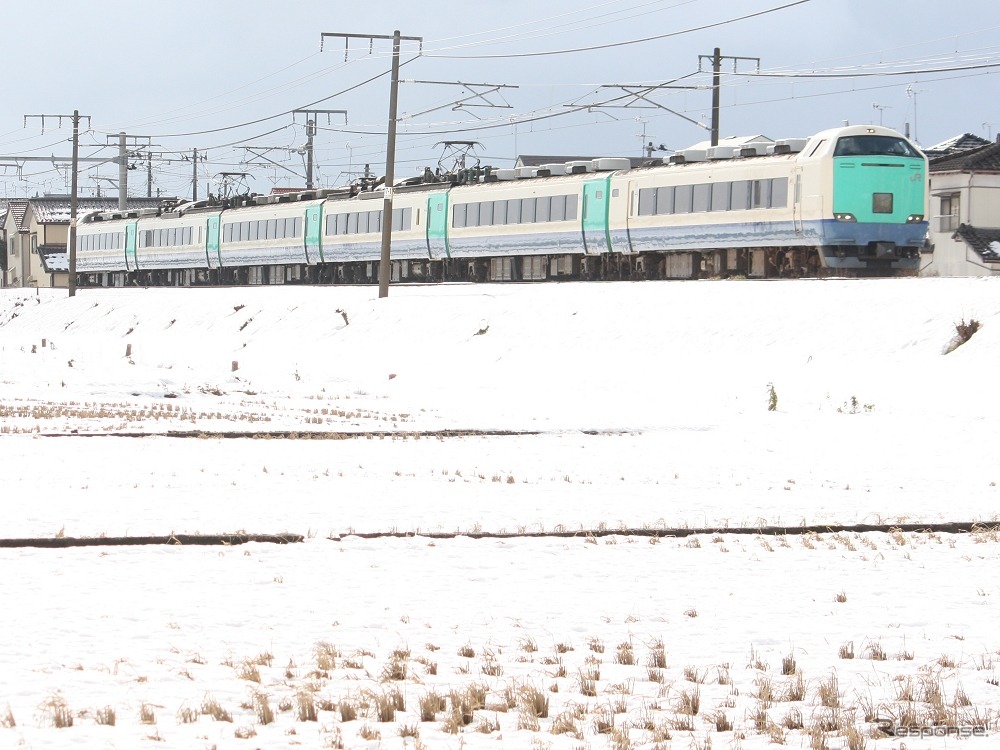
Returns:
(758, 263)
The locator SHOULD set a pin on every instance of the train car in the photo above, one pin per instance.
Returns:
(847, 201)
(801, 207)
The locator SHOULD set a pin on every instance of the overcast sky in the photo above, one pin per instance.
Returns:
(218, 74)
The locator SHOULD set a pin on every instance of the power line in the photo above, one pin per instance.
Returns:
(625, 43)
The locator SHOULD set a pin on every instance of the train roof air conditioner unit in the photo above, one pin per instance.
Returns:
(611, 164)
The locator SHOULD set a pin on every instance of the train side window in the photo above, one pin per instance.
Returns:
(375, 221)
(244, 231)
(647, 201)
(779, 192)
(542, 208)
(664, 200)
(682, 199)
(458, 214)
(352, 222)
(528, 210)
(514, 211)
(571, 214)
(329, 225)
(499, 212)
(557, 208)
(740, 200)
(472, 215)
(486, 213)
(297, 226)
(702, 197)
(720, 196)
(761, 196)
(227, 234)
(341, 227)
(362, 227)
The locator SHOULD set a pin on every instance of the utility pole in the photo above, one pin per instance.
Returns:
(123, 157)
(194, 175)
(311, 133)
(71, 241)
(390, 149)
(717, 57)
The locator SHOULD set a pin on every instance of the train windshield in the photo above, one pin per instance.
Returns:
(874, 145)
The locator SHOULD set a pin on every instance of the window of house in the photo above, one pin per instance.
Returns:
(948, 216)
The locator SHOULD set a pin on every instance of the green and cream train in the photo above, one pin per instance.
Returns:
(845, 202)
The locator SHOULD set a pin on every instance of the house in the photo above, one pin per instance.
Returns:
(965, 212)
(36, 231)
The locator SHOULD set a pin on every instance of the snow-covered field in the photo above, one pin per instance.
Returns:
(579, 407)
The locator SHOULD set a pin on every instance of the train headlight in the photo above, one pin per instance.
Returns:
(844, 217)
(914, 218)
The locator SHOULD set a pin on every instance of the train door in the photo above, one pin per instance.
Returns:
(130, 241)
(797, 201)
(437, 226)
(314, 231)
(212, 250)
(594, 218)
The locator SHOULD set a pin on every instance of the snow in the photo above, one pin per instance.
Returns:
(631, 407)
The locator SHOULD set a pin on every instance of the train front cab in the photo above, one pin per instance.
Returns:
(878, 226)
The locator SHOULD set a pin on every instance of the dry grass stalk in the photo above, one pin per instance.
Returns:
(654, 675)
(588, 681)
(395, 670)
(487, 725)
(467, 651)
(689, 702)
(795, 689)
(875, 652)
(829, 692)
(792, 720)
(596, 645)
(348, 710)
(58, 711)
(262, 708)
(756, 662)
(370, 733)
(764, 690)
(326, 656)
(187, 715)
(244, 733)
(846, 650)
(409, 730)
(566, 723)
(7, 720)
(249, 671)
(147, 715)
(535, 700)
(855, 740)
(209, 707)
(306, 706)
(526, 718)
(430, 704)
(841, 597)
(624, 654)
(721, 721)
(657, 655)
(105, 716)
(604, 721)
(788, 665)
(817, 738)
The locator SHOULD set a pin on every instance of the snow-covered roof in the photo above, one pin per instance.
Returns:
(961, 142)
(985, 242)
(56, 210)
(54, 258)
